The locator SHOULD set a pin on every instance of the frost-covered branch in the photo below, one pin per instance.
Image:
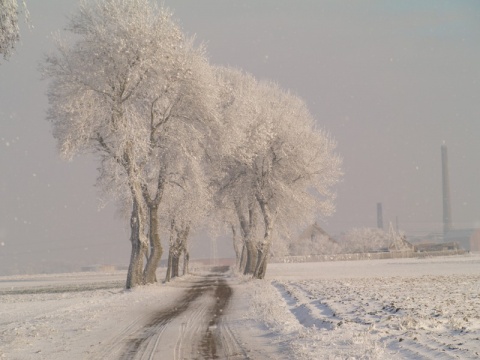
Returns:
(9, 30)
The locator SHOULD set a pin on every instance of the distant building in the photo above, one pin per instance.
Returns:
(400, 243)
(313, 240)
(467, 239)
(315, 232)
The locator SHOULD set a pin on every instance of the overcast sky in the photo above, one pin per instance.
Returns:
(390, 80)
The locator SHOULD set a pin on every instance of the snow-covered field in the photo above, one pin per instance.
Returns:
(385, 309)
(379, 309)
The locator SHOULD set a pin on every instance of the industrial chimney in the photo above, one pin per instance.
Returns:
(379, 216)
(447, 211)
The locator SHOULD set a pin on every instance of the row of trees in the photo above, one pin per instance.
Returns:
(363, 240)
(180, 141)
(356, 240)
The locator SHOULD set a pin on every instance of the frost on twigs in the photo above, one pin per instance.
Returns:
(174, 134)
(277, 171)
(132, 89)
(8, 27)
(9, 30)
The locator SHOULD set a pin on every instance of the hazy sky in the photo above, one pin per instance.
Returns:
(390, 80)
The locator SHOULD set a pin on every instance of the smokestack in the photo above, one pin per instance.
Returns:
(447, 211)
(379, 216)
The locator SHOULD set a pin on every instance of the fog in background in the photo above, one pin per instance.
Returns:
(390, 80)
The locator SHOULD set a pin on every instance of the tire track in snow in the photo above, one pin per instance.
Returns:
(194, 322)
(192, 329)
(144, 344)
(383, 317)
(230, 344)
(422, 350)
(308, 313)
(209, 342)
(113, 348)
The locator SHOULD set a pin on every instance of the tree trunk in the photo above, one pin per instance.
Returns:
(137, 223)
(252, 258)
(181, 246)
(175, 264)
(168, 276)
(249, 253)
(186, 262)
(243, 259)
(262, 261)
(237, 246)
(171, 243)
(135, 269)
(264, 248)
(156, 250)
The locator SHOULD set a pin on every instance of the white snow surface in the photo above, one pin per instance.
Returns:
(377, 309)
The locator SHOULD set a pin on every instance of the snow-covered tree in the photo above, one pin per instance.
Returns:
(362, 240)
(234, 198)
(282, 168)
(179, 234)
(186, 203)
(127, 82)
(181, 113)
(313, 241)
(9, 31)
(294, 176)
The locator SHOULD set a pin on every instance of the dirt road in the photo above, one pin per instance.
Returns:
(194, 328)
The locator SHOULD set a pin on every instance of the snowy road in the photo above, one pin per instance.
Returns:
(200, 324)
(189, 329)
(82, 316)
